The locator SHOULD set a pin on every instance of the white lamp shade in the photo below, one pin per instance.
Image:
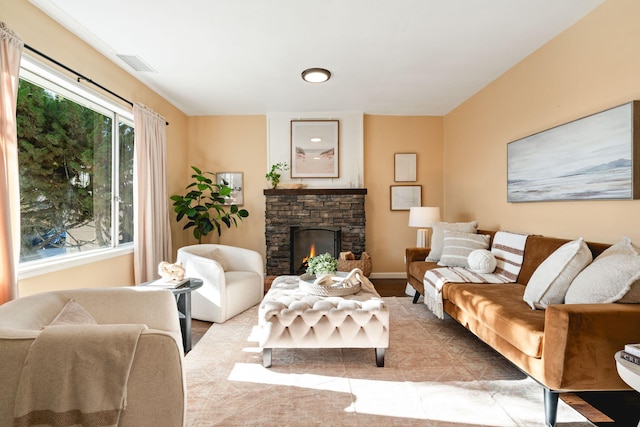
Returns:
(423, 216)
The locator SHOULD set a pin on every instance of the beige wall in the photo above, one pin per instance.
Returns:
(387, 232)
(232, 144)
(461, 157)
(592, 66)
(45, 35)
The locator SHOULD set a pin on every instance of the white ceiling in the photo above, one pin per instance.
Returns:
(399, 57)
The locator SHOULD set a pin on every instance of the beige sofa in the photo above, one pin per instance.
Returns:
(567, 347)
(156, 388)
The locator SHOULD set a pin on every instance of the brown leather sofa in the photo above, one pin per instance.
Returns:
(567, 347)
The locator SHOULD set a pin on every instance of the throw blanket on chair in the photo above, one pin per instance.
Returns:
(508, 248)
(76, 375)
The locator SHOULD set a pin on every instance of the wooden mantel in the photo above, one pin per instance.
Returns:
(313, 191)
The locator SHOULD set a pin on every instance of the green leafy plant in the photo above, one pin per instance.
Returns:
(322, 264)
(204, 205)
(274, 175)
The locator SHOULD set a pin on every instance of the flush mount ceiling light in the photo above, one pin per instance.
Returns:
(315, 139)
(316, 75)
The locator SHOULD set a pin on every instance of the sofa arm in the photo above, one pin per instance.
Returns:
(580, 341)
(416, 254)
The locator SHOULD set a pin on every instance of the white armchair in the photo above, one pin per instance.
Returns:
(233, 280)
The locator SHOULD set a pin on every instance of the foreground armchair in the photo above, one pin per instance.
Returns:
(153, 388)
(233, 280)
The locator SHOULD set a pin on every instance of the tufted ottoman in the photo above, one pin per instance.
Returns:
(288, 317)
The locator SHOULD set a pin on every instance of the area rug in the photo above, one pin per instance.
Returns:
(436, 374)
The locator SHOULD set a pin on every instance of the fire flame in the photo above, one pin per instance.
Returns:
(312, 253)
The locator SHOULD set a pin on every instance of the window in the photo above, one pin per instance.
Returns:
(75, 154)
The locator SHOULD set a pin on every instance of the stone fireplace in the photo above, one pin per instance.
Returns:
(336, 209)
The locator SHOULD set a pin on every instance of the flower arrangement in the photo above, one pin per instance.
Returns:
(322, 264)
(274, 175)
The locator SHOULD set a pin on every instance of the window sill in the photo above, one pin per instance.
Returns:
(40, 267)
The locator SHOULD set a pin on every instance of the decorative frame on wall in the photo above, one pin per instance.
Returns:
(315, 148)
(235, 180)
(404, 197)
(593, 158)
(404, 167)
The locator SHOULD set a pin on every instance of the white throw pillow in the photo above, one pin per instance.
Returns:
(482, 261)
(437, 236)
(73, 314)
(549, 282)
(614, 276)
(458, 246)
(217, 255)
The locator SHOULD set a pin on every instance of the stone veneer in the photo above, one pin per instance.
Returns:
(337, 207)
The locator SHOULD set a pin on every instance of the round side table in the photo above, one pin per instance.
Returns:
(182, 291)
(628, 371)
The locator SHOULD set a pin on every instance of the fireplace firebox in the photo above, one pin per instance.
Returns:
(307, 242)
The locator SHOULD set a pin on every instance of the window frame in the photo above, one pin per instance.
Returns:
(42, 75)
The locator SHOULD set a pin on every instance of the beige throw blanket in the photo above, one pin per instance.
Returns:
(436, 278)
(507, 247)
(76, 375)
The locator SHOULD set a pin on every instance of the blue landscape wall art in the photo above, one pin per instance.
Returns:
(589, 158)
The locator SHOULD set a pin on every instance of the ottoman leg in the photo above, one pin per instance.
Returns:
(266, 357)
(380, 357)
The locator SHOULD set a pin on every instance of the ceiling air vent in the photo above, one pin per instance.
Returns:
(136, 63)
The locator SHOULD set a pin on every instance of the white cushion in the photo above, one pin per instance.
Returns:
(73, 314)
(218, 256)
(614, 276)
(437, 236)
(482, 261)
(549, 282)
(458, 246)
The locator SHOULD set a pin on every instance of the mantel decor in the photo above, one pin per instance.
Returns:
(314, 148)
(595, 157)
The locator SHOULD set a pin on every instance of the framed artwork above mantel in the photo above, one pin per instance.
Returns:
(315, 148)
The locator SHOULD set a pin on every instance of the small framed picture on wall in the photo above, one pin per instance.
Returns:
(405, 167)
(404, 197)
(233, 180)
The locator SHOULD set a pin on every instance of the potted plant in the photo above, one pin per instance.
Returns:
(204, 205)
(274, 175)
(321, 265)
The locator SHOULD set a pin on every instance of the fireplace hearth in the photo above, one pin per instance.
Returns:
(333, 209)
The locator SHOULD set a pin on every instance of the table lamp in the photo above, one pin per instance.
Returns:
(423, 217)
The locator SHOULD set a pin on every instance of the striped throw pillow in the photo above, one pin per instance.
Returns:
(458, 246)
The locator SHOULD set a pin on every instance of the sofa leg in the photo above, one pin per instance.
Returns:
(266, 357)
(550, 407)
(380, 357)
(416, 297)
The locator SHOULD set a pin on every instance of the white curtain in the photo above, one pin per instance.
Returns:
(10, 52)
(152, 233)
